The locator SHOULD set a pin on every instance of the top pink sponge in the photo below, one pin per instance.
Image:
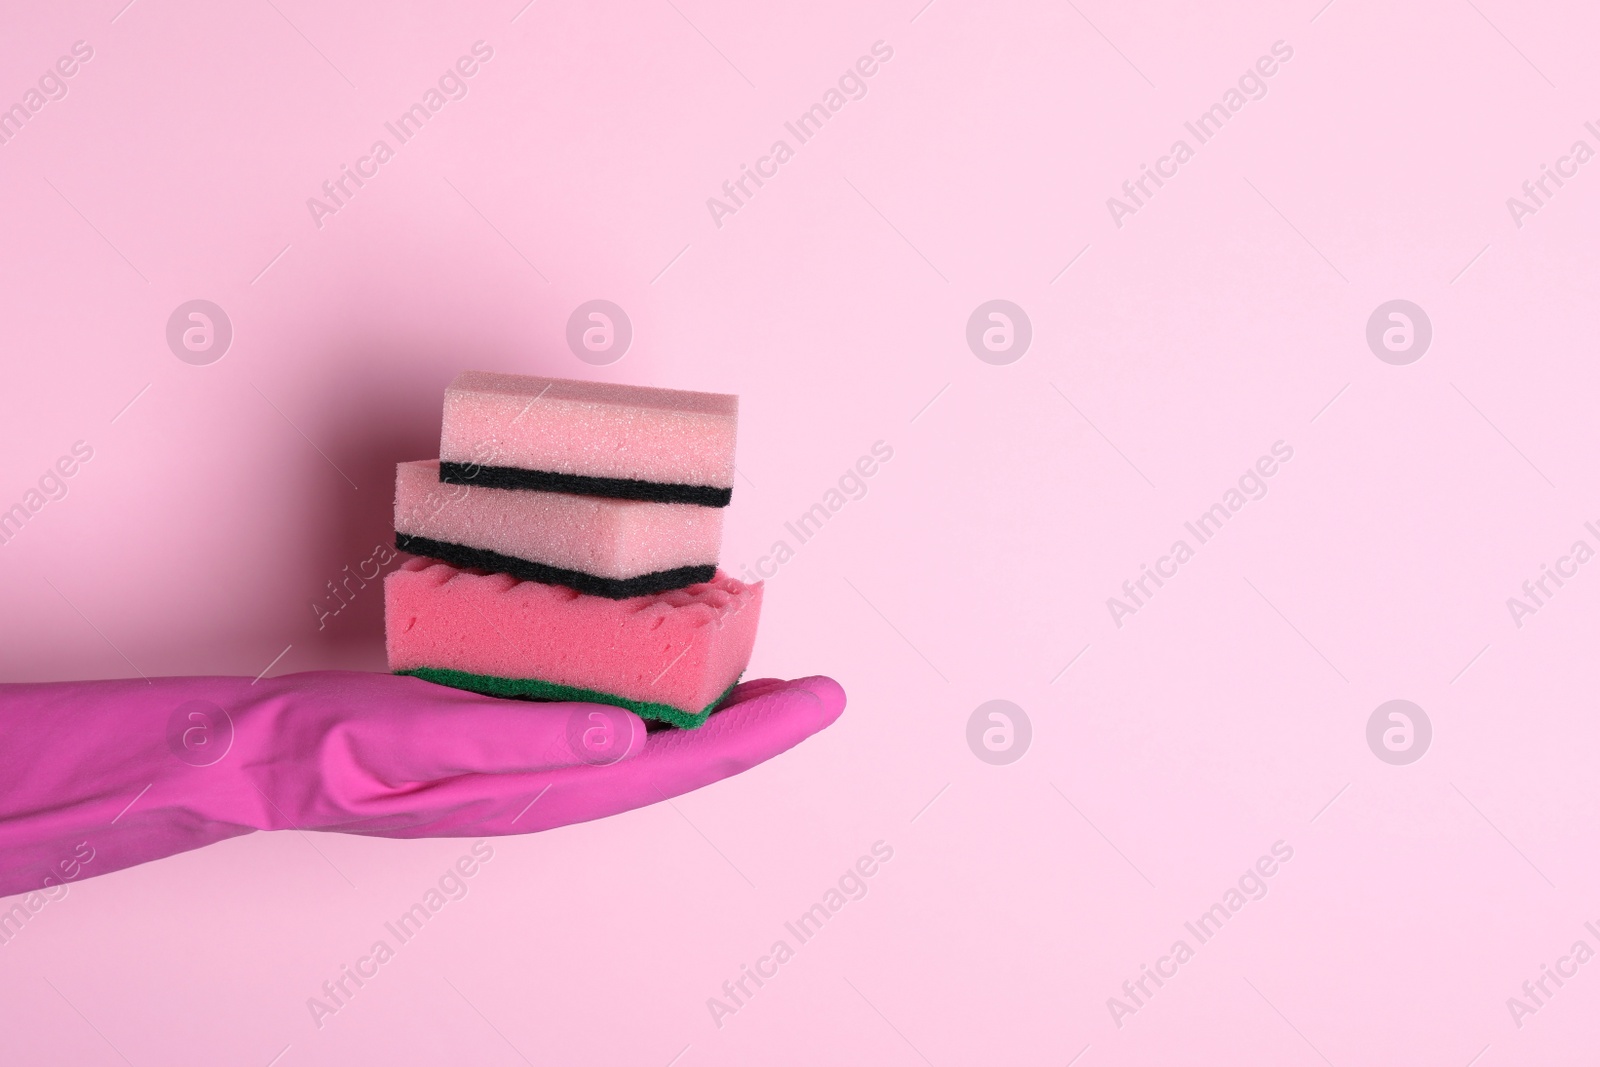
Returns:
(601, 432)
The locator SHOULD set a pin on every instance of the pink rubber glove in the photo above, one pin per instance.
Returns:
(98, 776)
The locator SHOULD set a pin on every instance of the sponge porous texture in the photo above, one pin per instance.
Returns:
(680, 649)
(612, 588)
(589, 430)
(556, 535)
(707, 496)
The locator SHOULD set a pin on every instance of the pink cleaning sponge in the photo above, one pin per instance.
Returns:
(669, 656)
(514, 431)
(605, 547)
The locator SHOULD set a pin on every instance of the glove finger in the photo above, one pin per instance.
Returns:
(740, 736)
(753, 688)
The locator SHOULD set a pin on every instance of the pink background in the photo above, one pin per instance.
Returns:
(1229, 313)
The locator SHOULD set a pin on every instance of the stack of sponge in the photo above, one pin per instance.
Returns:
(567, 540)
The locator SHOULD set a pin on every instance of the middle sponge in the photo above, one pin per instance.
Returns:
(596, 545)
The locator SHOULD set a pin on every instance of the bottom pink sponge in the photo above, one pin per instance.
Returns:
(669, 656)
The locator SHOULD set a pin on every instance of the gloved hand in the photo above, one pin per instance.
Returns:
(98, 776)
